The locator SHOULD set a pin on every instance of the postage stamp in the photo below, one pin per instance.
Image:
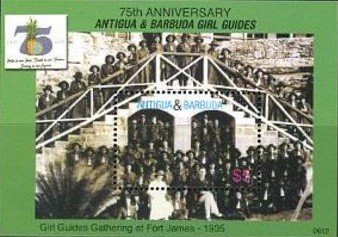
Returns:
(178, 126)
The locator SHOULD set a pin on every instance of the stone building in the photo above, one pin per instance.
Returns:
(285, 55)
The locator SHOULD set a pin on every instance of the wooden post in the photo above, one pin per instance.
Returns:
(205, 70)
(91, 102)
(158, 68)
(267, 106)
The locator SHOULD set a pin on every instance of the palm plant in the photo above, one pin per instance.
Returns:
(32, 32)
(32, 29)
(77, 191)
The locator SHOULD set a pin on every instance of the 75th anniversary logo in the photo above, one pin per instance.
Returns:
(35, 41)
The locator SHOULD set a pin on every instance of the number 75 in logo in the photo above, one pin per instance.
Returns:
(34, 43)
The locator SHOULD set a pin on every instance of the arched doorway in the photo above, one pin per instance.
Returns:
(213, 130)
(150, 126)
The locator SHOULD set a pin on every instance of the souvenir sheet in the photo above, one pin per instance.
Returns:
(168, 118)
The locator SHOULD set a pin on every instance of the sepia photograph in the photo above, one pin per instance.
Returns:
(177, 126)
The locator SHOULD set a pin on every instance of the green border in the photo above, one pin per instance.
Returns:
(17, 164)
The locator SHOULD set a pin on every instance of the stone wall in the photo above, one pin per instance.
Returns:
(273, 48)
(267, 53)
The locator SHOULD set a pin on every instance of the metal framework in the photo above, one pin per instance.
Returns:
(157, 61)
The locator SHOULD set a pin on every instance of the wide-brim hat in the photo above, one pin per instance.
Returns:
(89, 149)
(160, 173)
(266, 75)
(238, 63)
(236, 153)
(250, 148)
(101, 148)
(258, 70)
(78, 75)
(63, 84)
(249, 66)
(214, 43)
(75, 144)
(120, 53)
(284, 144)
(48, 88)
(132, 46)
(260, 146)
(185, 35)
(226, 50)
(198, 38)
(179, 152)
(189, 152)
(271, 145)
(110, 56)
(142, 41)
(92, 68)
(170, 36)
